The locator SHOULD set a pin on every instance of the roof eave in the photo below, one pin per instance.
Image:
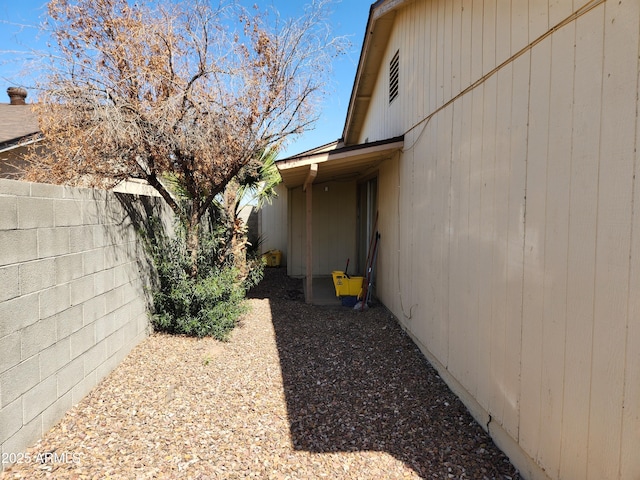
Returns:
(321, 149)
(350, 162)
(379, 26)
(21, 142)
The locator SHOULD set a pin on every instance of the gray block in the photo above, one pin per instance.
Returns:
(101, 236)
(8, 213)
(69, 321)
(37, 337)
(104, 281)
(82, 340)
(46, 190)
(55, 357)
(92, 212)
(24, 438)
(67, 212)
(128, 251)
(79, 391)
(52, 242)
(128, 235)
(10, 419)
(144, 326)
(36, 400)
(14, 187)
(93, 261)
(54, 300)
(68, 267)
(37, 275)
(138, 307)
(125, 273)
(114, 214)
(70, 375)
(81, 238)
(93, 309)
(113, 299)
(9, 282)
(81, 289)
(105, 326)
(132, 291)
(115, 342)
(131, 330)
(10, 348)
(18, 246)
(80, 193)
(18, 380)
(94, 357)
(112, 257)
(35, 212)
(54, 413)
(121, 316)
(18, 313)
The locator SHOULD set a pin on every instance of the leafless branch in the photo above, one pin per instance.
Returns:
(149, 90)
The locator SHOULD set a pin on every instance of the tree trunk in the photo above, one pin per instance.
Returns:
(236, 229)
(193, 239)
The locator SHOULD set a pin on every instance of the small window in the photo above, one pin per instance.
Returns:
(394, 68)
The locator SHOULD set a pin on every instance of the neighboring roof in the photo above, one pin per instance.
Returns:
(379, 25)
(18, 123)
(344, 163)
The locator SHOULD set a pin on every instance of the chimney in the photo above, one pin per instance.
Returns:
(17, 95)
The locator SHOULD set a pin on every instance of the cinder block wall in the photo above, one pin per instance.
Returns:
(72, 298)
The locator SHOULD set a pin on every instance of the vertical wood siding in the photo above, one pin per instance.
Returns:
(510, 245)
(334, 228)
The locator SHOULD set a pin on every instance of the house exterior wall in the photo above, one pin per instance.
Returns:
(510, 244)
(273, 225)
(12, 162)
(73, 275)
(334, 228)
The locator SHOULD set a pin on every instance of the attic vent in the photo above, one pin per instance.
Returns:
(394, 68)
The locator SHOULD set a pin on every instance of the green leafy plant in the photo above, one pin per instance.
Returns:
(207, 304)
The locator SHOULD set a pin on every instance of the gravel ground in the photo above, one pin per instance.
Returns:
(298, 392)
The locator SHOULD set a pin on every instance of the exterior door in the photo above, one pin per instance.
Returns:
(367, 213)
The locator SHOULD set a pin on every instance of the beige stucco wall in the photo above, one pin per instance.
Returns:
(273, 223)
(334, 228)
(510, 248)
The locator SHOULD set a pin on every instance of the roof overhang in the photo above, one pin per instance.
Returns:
(379, 26)
(337, 163)
(21, 142)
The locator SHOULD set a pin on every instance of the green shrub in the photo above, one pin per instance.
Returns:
(208, 304)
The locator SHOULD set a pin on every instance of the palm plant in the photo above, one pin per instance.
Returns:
(254, 186)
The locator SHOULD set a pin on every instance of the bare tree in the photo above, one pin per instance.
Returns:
(158, 88)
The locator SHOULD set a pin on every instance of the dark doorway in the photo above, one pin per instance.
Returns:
(367, 213)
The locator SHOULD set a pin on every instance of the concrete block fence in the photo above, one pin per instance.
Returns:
(72, 298)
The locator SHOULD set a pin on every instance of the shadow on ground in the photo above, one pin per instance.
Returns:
(354, 381)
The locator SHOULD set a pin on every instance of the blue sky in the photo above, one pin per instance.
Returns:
(19, 35)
